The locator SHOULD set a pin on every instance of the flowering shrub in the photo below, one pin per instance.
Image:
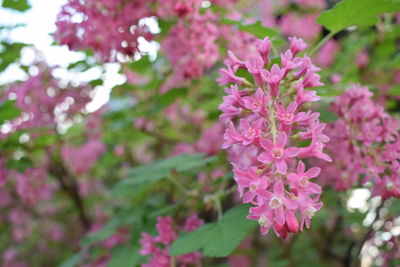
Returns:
(230, 118)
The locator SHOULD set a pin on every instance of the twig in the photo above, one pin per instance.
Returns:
(321, 43)
(69, 185)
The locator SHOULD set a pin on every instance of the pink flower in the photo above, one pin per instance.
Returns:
(227, 76)
(255, 66)
(250, 132)
(297, 45)
(250, 180)
(263, 48)
(326, 55)
(272, 211)
(274, 78)
(287, 116)
(308, 208)
(315, 149)
(257, 103)
(305, 96)
(300, 180)
(289, 63)
(277, 153)
(233, 62)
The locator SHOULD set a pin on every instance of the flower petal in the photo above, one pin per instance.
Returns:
(266, 144)
(313, 172)
(281, 140)
(264, 157)
(281, 166)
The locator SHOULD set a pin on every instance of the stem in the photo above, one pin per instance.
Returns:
(218, 205)
(172, 262)
(272, 121)
(248, 84)
(178, 184)
(321, 43)
(217, 199)
(274, 50)
(68, 184)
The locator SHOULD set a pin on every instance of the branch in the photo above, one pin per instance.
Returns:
(68, 184)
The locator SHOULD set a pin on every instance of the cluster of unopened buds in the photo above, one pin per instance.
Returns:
(365, 143)
(268, 137)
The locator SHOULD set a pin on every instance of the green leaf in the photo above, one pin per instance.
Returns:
(149, 174)
(101, 234)
(163, 101)
(141, 66)
(217, 239)
(259, 30)
(9, 53)
(395, 90)
(356, 13)
(8, 111)
(20, 165)
(328, 91)
(20, 5)
(45, 140)
(256, 29)
(125, 256)
(72, 261)
(325, 114)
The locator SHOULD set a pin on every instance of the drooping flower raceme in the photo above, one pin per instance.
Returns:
(269, 138)
(365, 143)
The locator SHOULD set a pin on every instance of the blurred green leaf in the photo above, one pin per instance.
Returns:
(356, 13)
(125, 256)
(141, 66)
(325, 114)
(163, 101)
(395, 90)
(72, 261)
(45, 140)
(81, 66)
(20, 5)
(257, 29)
(8, 111)
(217, 239)
(11, 27)
(9, 53)
(20, 165)
(143, 176)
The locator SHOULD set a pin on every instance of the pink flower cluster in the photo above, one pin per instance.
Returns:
(81, 159)
(365, 143)
(191, 47)
(158, 246)
(33, 186)
(44, 102)
(302, 25)
(267, 135)
(167, 9)
(106, 26)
